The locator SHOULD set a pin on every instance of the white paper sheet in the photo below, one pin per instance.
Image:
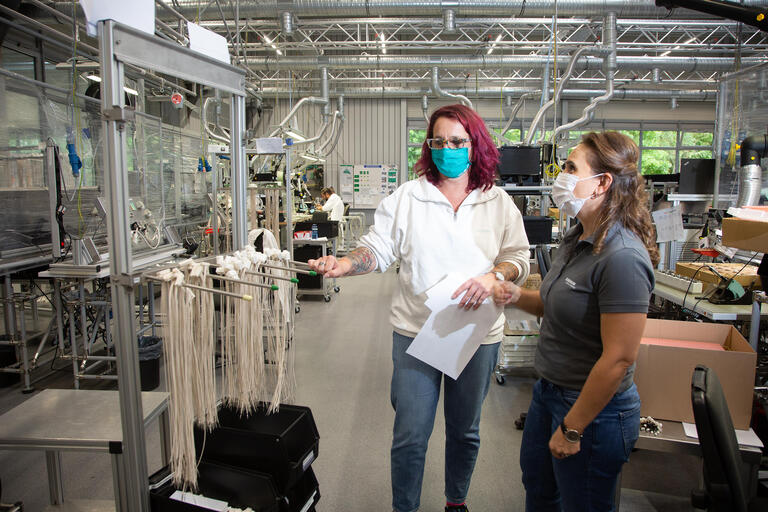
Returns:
(744, 437)
(200, 501)
(139, 14)
(452, 335)
(208, 42)
(669, 224)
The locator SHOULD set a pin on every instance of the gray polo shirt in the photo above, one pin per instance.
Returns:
(580, 286)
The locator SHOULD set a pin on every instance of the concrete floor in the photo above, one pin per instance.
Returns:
(343, 368)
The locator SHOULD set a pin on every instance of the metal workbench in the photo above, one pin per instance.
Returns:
(85, 421)
(716, 312)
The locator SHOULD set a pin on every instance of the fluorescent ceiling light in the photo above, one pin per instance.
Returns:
(677, 47)
(273, 45)
(498, 38)
(97, 79)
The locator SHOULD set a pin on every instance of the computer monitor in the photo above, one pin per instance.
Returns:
(520, 163)
(697, 176)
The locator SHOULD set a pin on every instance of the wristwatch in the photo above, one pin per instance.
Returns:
(499, 276)
(571, 435)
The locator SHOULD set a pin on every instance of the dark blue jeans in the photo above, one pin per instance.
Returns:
(415, 392)
(586, 481)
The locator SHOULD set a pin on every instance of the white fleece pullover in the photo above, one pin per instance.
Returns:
(417, 225)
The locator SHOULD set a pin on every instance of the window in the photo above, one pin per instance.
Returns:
(17, 62)
(415, 141)
(658, 161)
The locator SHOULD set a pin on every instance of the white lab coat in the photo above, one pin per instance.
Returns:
(335, 207)
(417, 225)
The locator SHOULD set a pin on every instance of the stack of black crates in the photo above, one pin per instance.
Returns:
(259, 461)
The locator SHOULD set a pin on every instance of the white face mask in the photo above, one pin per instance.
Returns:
(563, 196)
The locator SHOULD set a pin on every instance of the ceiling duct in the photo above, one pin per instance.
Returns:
(390, 62)
(449, 21)
(488, 8)
(609, 42)
(494, 92)
(441, 93)
(287, 22)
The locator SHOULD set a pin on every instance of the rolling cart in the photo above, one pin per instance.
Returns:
(305, 250)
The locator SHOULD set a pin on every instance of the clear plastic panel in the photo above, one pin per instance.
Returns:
(166, 187)
(745, 114)
(30, 115)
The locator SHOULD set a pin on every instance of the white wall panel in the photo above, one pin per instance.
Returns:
(373, 132)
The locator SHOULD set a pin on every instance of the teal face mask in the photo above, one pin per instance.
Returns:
(451, 162)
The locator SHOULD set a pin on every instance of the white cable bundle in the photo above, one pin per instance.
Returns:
(279, 322)
(202, 380)
(180, 363)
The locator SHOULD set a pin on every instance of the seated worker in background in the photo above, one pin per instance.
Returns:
(333, 204)
(451, 219)
(584, 416)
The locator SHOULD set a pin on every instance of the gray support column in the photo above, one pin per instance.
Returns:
(288, 203)
(239, 173)
(133, 492)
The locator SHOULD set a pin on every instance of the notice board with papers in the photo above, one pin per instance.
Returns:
(370, 183)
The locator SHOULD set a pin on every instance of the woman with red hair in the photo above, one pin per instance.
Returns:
(449, 220)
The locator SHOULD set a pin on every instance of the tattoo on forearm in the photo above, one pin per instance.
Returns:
(363, 261)
(509, 270)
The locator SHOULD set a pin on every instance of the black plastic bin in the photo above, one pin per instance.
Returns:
(8, 358)
(150, 352)
(283, 444)
(240, 488)
(306, 253)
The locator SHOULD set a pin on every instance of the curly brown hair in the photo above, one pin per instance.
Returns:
(626, 200)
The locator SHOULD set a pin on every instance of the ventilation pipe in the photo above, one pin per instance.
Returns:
(449, 21)
(425, 107)
(656, 76)
(439, 92)
(609, 40)
(325, 101)
(287, 22)
(309, 99)
(514, 111)
(340, 107)
(752, 150)
(204, 119)
(543, 110)
(433, 8)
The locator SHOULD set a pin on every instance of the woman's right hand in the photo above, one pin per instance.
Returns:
(506, 293)
(329, 266)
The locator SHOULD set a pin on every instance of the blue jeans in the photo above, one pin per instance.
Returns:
(587, 480)
(415, 392)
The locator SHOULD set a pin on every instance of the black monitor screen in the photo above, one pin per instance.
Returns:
(697, 176)
(519, 161)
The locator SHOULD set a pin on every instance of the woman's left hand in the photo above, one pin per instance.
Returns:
(561, 447)
(475, 290)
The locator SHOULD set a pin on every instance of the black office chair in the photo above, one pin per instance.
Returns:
(543, 260)
(726, 490)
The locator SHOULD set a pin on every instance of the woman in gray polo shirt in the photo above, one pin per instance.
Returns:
(584, 415)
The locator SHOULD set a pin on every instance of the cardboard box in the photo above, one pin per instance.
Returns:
(749, 235)
(746, 277)
(663, 374)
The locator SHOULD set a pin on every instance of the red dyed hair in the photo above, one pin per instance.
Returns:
(485, 156)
